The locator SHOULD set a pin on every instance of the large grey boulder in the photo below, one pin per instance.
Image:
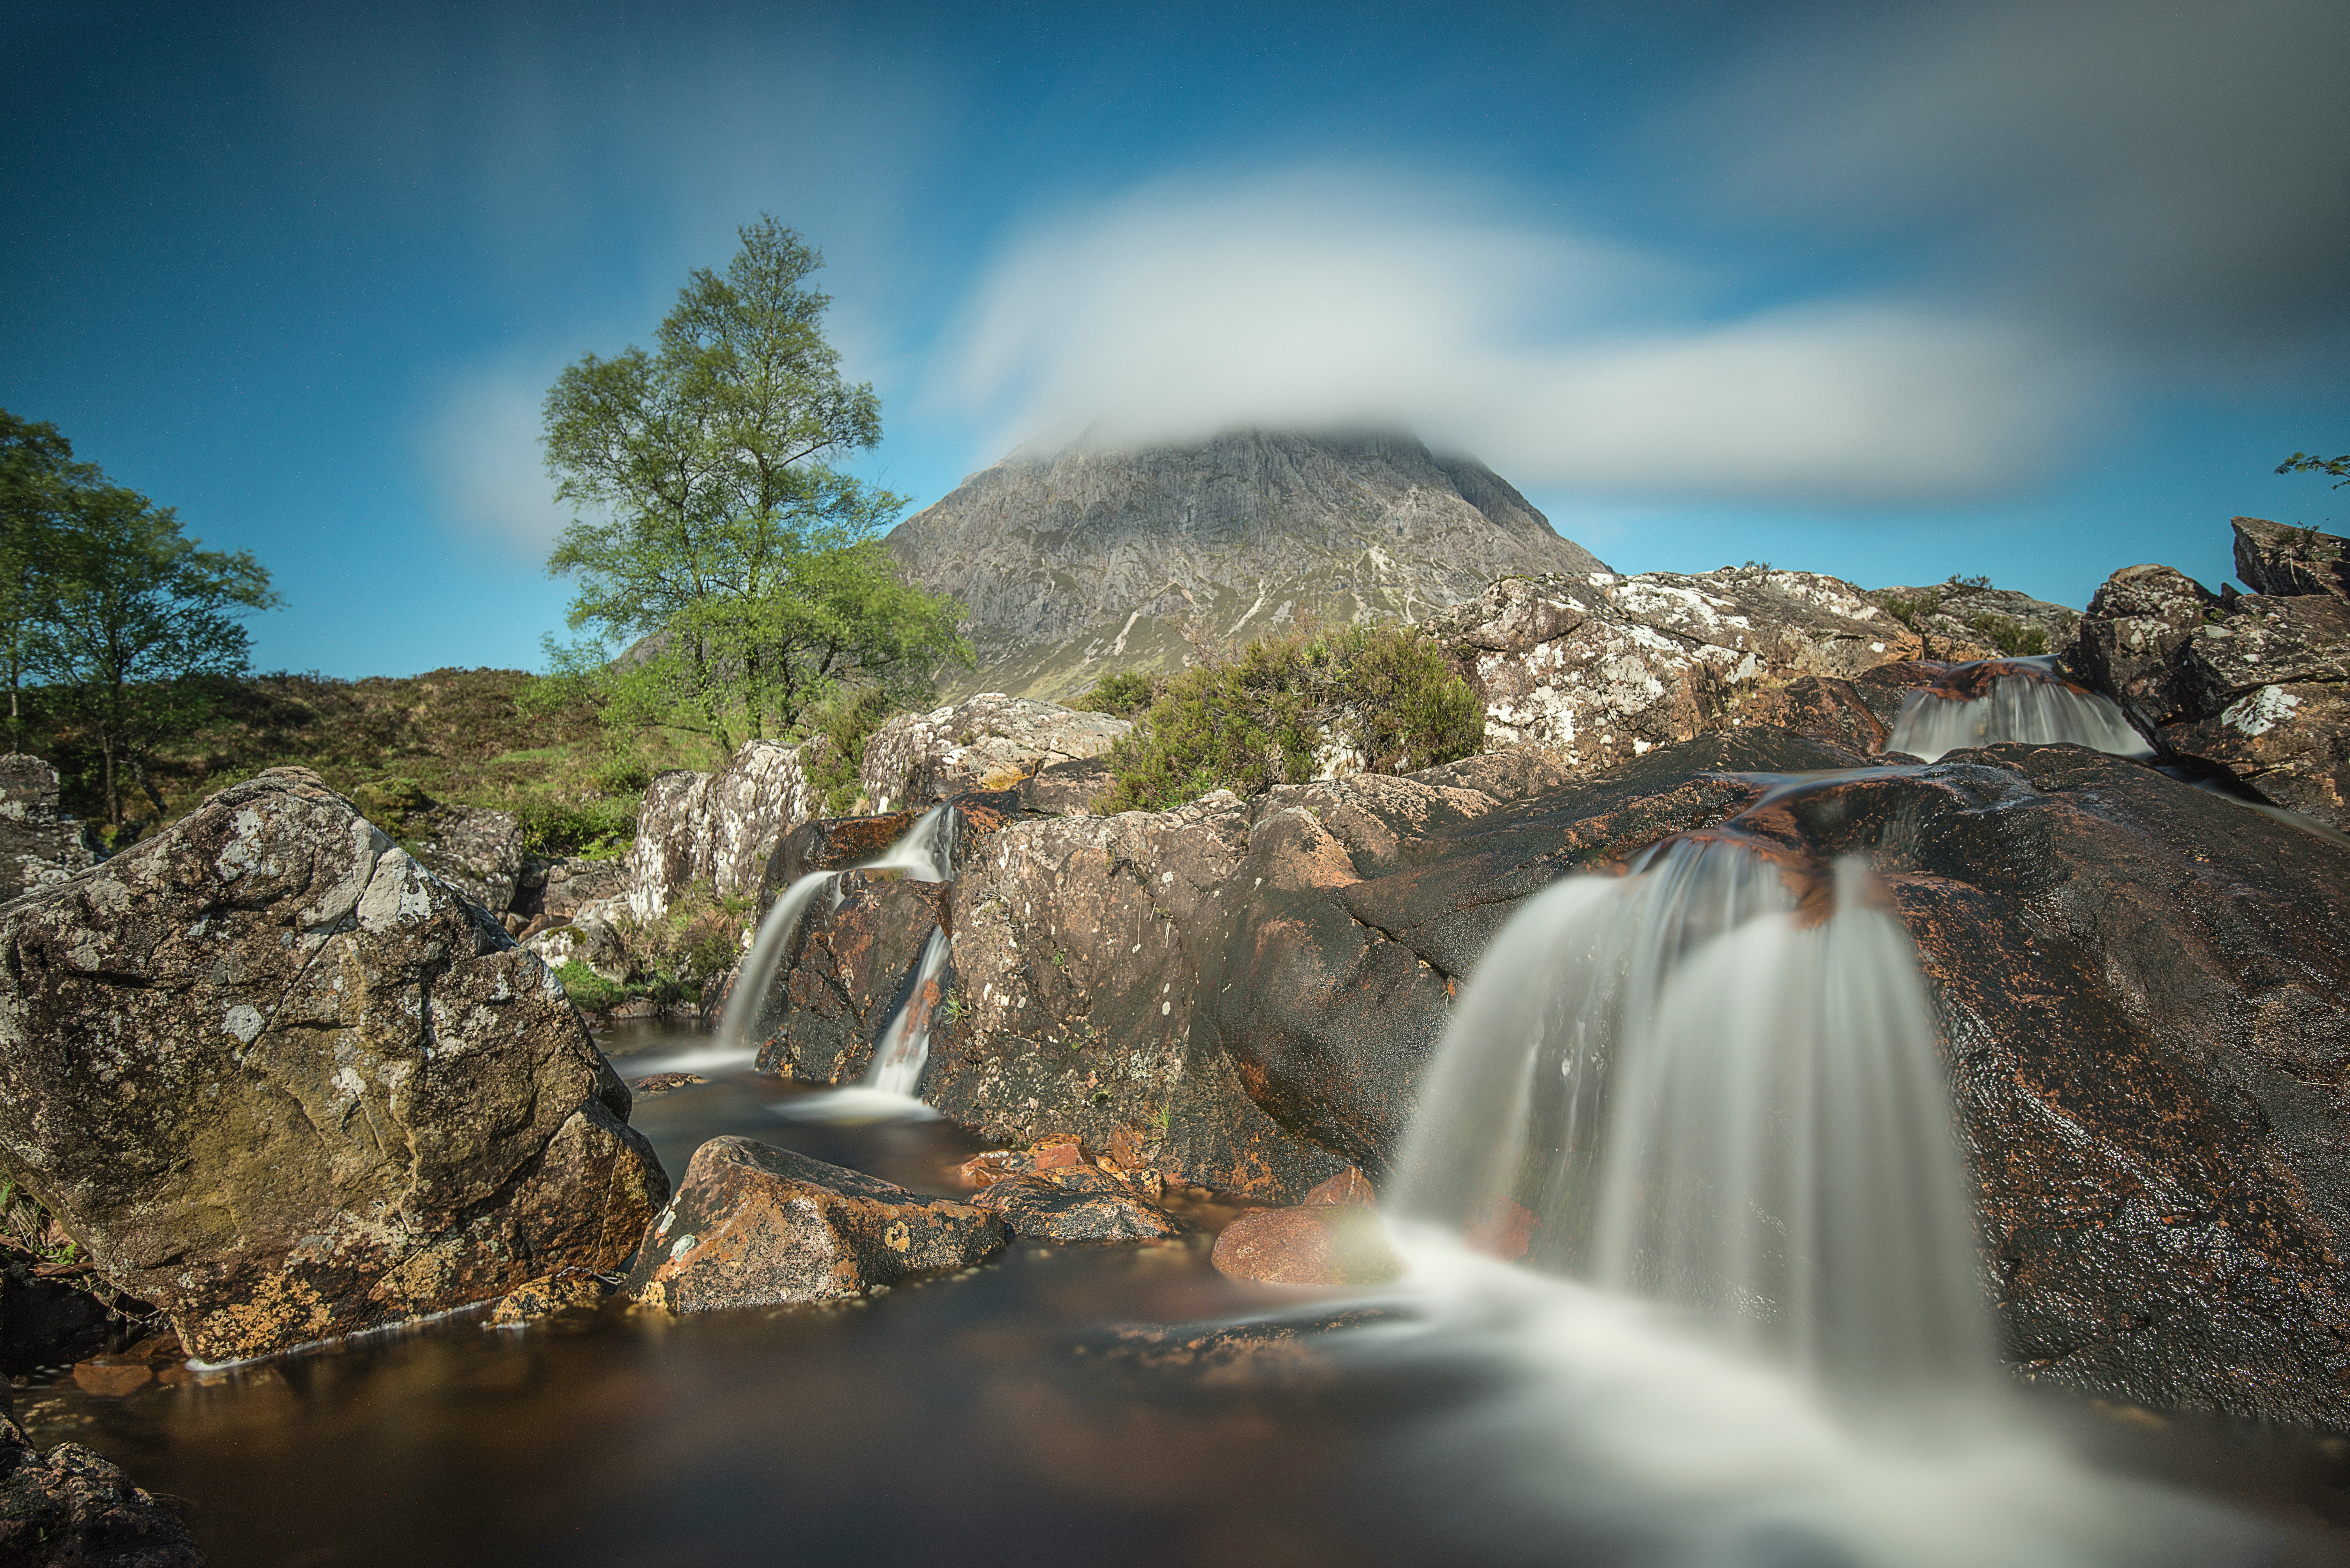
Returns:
(717, 828)
(478, 851)
(38, 846)
(1092, 558)
(985, 743)
(277, 1078)
(1599, 669)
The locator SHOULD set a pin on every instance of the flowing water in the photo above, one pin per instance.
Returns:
(2024, 700)
(1697, 1104)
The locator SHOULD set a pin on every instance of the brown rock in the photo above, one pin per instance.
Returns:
(2137, 630)
(1818, 706)
(846, 972)
(754, 1226)
(2272, 558)
(112, 1376)
(2291, 743)
(1076, 1203)
(69, 1508)
(278, 1079)
(662, 1083)
(1325, 1244)
(989, 742)
(572, 1291)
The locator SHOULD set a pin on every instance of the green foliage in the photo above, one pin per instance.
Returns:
(1122, 692)
(127, 623)
(1260, 718)
(596, 828)
(715, 536)
(591, 992)
(2310, 462)
(2009, 636)
(1908, 611)
(843, 726)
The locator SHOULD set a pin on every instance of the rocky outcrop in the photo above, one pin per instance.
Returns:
(990, 741)
(2255, 686)
(69, 1508)
(553, 891)
(1958, 621)
(478, 851)
(755, 1226)
(276, 1078)
(717, 828)
(2286, 562)
(38, 846)
(1076, 563)
(1599, 669)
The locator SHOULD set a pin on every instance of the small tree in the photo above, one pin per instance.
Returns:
(37, 474)
(727, 548)
(133, 616)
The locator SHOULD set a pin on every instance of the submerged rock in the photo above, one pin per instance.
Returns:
(69, 1508)
(1316, 1244)
(1076, 1203)
(278, 1079)
(755, 1226)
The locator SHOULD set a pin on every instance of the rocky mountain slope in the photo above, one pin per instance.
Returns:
(1078, 562)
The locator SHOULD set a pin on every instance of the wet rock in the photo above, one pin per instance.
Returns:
(1053, 1152)
(2272, 558)
(718, 828)
(990, 741)
(2139, 625)
(1600, 669)
(2291, 743)
(754, 1226)
(1363, 905)
(850, 966)
(69, 1508)
(477, 851)
(1075, 1202)
(1818, 707)
(1077, 951)
(276, 1078)
(568, 1292)
(662, 1083)
(1318, 1244)
(39, 848)
(1284, 1354)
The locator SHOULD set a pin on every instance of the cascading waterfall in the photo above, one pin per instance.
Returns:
(1714, 1083)
(2025, 699)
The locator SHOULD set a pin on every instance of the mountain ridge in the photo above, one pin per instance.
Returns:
(1085, 559)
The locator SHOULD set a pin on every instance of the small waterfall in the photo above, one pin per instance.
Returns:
(1996, 700)
(924, 853)
(1714, 1083)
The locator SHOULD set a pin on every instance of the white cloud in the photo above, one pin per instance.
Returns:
(1321, 297)
(480, 448)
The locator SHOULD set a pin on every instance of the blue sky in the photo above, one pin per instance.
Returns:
(2032, 290)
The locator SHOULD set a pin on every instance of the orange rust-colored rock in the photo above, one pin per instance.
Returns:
(112, 1376)
(1077, 1203)
(755, 1226)
(1319, 1244)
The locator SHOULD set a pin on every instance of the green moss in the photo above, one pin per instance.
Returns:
(591, 992)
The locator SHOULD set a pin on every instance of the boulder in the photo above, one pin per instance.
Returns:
(2290, 742)
(718, 828)
(559, 888)
(69, 1508)
(755, 1226)
(278, 1079)
(990, 741)
(39, 848)
(1075, 1202)
(1961, 621)
(2129, 645)
(1314, 1244)
(2272, 558)
(477, 851)
(849, 968)
(1600, 669)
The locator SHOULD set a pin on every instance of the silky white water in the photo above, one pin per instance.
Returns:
(2021, 699)
(924, 853)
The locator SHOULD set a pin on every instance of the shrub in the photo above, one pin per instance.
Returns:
(590, 991)
(841, 729)
(1275, 712)
(596, 829)
(1122, 692)
(2007, 635)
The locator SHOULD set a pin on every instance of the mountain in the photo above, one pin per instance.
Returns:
(1085, 560)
